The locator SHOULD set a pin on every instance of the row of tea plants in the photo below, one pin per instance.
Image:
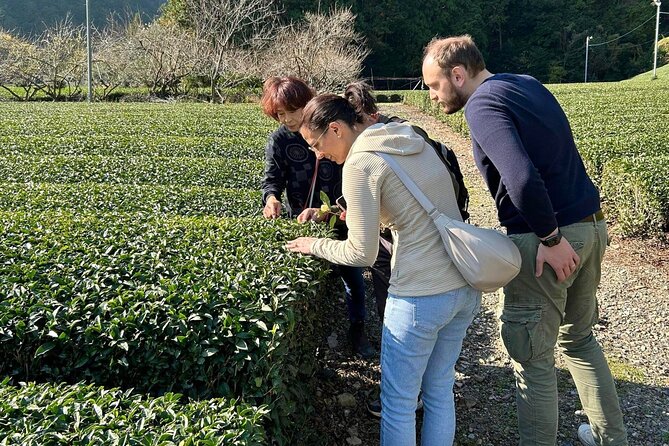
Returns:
(143, 298)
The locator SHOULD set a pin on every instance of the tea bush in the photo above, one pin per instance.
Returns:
(213, 172)
(97, 197)
(637, 193)
(133, 119)
(596, 152)
(77, 415)
(134, 145)
(201, 306)
(116, 269)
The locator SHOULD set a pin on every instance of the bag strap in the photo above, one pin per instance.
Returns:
(411, 185)
(312, 187)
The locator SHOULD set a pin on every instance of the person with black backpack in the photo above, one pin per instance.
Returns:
(292, 171)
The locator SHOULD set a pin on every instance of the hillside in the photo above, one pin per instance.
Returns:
(544, 39)
(30, 16)
(662, 75)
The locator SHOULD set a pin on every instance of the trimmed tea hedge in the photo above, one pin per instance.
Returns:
(201, 306)
(596, 152)
(78, 415)
(134, 145)
(145, 119)
(215, 172)
(96, 197)
(637, 192)
(389, 96)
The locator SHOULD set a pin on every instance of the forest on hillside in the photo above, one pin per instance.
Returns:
(545, 38)
(32, 16)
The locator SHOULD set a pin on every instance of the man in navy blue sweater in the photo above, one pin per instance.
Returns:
(524, 148)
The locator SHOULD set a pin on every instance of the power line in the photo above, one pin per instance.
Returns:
(582, 46)
(620, 37)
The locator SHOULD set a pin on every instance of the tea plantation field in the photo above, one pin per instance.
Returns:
(143, 299)
(622, 132)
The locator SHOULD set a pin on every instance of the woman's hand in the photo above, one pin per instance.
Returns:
(311, 214)
(302, 245)
(272, 208)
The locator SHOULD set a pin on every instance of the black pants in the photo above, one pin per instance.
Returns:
(381, 272)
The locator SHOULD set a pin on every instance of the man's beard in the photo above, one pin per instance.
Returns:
(455, 102)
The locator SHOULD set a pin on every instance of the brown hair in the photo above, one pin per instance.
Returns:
(288, 92)
(359, 94)
(327, 108)
(453, 51)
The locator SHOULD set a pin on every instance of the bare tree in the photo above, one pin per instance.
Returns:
(18, 66)
(61, 57)
(112, 65)
(324, 50)
(161, 56)
(228, 30)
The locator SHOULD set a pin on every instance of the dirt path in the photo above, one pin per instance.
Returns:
(634, 331)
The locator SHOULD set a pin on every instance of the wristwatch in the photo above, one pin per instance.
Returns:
(552, 240)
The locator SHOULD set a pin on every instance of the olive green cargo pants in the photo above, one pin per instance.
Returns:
(537, 314)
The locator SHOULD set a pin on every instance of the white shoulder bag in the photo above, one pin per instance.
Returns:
(486, 258)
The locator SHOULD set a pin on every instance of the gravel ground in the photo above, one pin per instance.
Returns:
(633, 329)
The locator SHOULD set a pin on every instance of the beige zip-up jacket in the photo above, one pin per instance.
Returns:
(376, 196)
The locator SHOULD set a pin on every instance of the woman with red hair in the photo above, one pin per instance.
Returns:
(291, 166)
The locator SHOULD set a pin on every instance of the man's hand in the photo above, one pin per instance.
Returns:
(311, 214)
(272, 208)
(561, 257)
(302, 245)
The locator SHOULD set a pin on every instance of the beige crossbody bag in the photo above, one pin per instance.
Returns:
(486, 258)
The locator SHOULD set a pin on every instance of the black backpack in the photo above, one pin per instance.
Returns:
(447, 156)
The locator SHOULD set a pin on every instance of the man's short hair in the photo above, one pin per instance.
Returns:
(450, 52)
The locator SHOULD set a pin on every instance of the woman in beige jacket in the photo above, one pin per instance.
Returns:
(429, 305)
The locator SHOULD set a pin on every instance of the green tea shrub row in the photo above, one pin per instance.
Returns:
(145, 119)
(637, 192)
(201, 306)
(98, 197)
(596, 152)
(77, 415)
(134, 145)
(213, 172)
(389, 96)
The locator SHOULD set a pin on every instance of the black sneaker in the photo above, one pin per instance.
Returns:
(374, 407)
(359, 341)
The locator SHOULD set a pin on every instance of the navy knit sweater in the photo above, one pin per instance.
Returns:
(289, 166)
(525, 150)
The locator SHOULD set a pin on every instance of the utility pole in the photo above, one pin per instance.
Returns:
(657, 29)
(587, 46)
(89, 94)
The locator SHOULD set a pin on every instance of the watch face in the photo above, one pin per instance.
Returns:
(552, 240)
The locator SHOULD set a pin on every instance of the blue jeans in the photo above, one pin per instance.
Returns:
(422, 339)
(354, 286)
